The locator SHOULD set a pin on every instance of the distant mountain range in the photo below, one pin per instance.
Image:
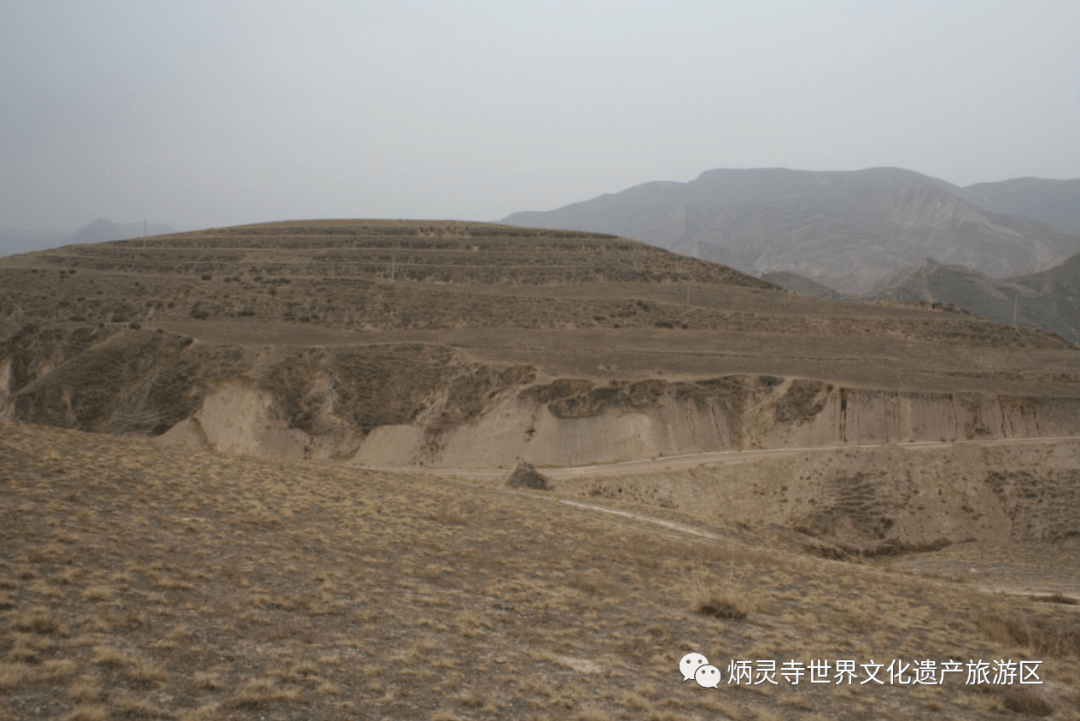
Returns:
(851, 231)
(14, 241)
(801, 285)
(1054, 202)
(17, 240)
(1049, 300)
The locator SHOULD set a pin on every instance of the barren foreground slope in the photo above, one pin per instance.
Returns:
(146, 582)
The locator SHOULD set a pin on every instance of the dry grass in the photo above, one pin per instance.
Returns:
(86, 689)
(1052, 638)
(129, 706)
(1026, 702)
(87, 712)
(358, 594)
(724, 597)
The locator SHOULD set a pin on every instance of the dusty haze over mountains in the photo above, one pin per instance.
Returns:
(1049, 299)
(213, 115)
(14, 240)
(1054, 202)
(848, 230)
(876, 234)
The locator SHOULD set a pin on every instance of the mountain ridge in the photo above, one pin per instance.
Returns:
(1054, 202)
(847, 230)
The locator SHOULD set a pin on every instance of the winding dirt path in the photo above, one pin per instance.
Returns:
(1009, 568)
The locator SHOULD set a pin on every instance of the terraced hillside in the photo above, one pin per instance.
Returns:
(441, 252)
(383, 275)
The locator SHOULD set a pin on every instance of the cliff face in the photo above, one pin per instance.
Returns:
(407, 405)
(433, 407)
(624, 421)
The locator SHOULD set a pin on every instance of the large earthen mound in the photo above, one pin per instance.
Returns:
(525, 476)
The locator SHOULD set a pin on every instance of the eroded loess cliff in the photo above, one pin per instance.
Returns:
(432, 405)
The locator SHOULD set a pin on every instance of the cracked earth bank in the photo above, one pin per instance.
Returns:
(857, 466)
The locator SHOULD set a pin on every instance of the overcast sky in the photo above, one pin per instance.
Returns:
(205, 114)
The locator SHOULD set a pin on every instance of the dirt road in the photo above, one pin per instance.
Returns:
(691, 460)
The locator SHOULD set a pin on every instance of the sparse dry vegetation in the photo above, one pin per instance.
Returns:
(142, 580)
(724, 597)
(358, 594)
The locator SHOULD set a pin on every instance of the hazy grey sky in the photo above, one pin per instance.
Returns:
(200, 114)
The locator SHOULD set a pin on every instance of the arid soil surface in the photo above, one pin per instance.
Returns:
(146, 582)
(259, 472)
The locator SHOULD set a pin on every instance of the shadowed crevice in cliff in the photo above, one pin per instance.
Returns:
(450, 409)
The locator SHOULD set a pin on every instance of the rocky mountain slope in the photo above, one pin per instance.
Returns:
(846, 230)
(1049, 300)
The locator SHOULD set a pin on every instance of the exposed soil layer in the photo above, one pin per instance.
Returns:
(473, 346)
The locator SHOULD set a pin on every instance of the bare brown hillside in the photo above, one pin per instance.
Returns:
(383, 275)
(471, 346)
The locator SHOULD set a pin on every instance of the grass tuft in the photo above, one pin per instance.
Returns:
(1059, 640)
(37, 620)
(1056, 598)
(1024, 701)
(141, 708)
(724, 597)
(87, 712)
(85, 689)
